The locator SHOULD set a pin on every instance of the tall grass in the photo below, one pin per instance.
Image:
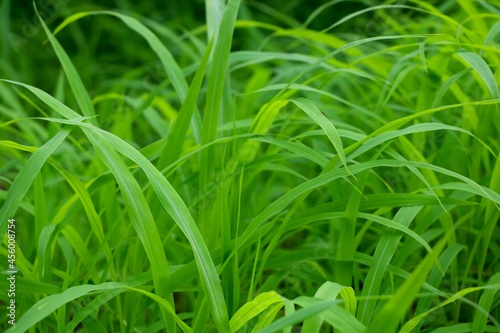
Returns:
(270, 170)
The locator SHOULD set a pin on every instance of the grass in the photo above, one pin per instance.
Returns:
(257, 168)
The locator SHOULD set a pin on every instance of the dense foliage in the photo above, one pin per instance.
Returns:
(283, 166)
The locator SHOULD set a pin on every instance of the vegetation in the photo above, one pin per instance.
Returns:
(251, 167)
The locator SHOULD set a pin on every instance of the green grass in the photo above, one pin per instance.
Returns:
(282, 167)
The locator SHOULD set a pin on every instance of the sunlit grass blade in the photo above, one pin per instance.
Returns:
(330, 291)
(253, 308)
(51, 303)
(298, 316)
(409, 325)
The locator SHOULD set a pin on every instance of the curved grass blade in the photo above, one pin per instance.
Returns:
(331, 132)
(214, 10)
(281, 203)
(171, 67)
(298, 316)
(485, 303)
(253, 308)
(328, 310)
(26, 176)
(139, 211)
(435, 279)
(409, 325)
(81, 94)
(475, 61)
(330, 291)
(177, 133)
(49, 304)
(384, 253)
(339, 318)
(173, 70)
(389, 317)
(167, 195)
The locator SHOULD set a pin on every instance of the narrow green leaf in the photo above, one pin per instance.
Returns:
(298, 316)
(176, 135)
(484, 306)
(331, 132)
(140, 212)
(475, 61)
(387, 320)
(26, 176)
(81, 94)
(216, 80)
(253, 308)
(49, 304)
(386, 248)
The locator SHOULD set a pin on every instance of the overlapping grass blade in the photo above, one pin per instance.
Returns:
(331, 132)
(436, 277)
(81, 94)
(330, 291)
(401, 96)
(26, 176)
(51, 303)
(485, 303)
(141, 215)
(170, 65)
(392, 313)
(479, 65)
(175, 137)
(166, 194)
(253, 308)
(216, 81)
(384, 253)
(214, 10)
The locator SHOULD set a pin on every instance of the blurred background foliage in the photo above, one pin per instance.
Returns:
(96, 45)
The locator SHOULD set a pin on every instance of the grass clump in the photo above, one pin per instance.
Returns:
(263, 169)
